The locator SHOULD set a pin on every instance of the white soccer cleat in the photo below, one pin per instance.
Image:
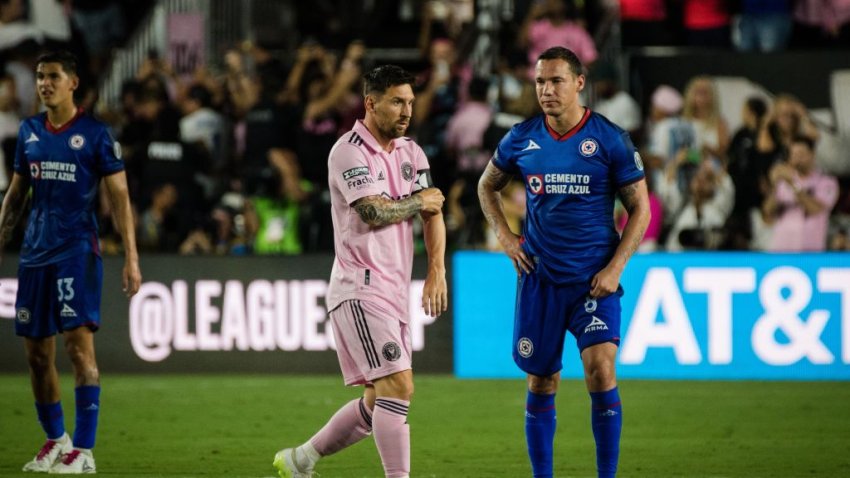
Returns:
(75, 462)
(287, 466)
(49, 454)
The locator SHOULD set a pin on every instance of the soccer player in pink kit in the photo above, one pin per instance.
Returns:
(378, 180)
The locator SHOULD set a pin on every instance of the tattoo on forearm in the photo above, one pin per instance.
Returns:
(492, 181)
(629, 197)
(9, 221)
(377, 211)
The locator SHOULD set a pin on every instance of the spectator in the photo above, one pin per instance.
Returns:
(749, 176)
(612, 102)
(465, 131)
(9, 121)
(268, 126)
(707, 23)
(272, 219)
(701, 109)
(670, 135)
(20, 65)
(465, 145)
(516, 92)
(822, 23)
(326, 99)
(101, 23)
(800, 200)
(787, 119)
(552, 22)
(14, 29)
(699, 215)
(764, 25)
(440, 89)
(203, 125)
(645, 23)
(157, 228)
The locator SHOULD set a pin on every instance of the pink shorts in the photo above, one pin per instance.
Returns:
(370, 343)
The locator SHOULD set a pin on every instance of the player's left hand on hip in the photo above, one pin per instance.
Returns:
(604, 283)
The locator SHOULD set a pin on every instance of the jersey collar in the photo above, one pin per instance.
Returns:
(569, 134)
(65, 126)
(369, 139)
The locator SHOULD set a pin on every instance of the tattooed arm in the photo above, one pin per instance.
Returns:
(635, 199)
(491, 183)
(378, 211)
(13, 207)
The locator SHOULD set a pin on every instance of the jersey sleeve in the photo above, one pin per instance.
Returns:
(423, 171)
(20, 166)
(626, 163)
(108, 154)
(350, 173)
(503, 157)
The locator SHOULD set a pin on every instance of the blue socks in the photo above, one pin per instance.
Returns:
(540, 432)
(607, 421)
(88, 406)
(51, 419)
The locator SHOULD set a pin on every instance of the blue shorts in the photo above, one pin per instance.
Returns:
(544, 313)
(59, 297)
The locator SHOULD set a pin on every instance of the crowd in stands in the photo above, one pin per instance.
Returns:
(234, 161)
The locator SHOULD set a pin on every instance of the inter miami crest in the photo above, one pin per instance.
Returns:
(391, 351)
(407, 171)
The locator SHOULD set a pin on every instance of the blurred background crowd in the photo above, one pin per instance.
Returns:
(229, 156)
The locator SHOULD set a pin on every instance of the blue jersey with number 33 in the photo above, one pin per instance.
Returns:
(64, 167)
(570, 184)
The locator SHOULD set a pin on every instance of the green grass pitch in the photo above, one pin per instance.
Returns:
(231, 426)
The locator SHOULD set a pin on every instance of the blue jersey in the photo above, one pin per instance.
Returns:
(64, 167)
(570, 184)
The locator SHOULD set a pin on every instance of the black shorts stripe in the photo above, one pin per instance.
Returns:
(365, 414)
(362, 334)
(392, 407)
(359, 309)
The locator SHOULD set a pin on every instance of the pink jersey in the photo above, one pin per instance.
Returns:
(372, 263)
(795, 230)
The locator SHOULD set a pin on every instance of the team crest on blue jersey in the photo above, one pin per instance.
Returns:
(588, 147)
(35, 171)
(638, 161)
(23, 315)
(535, 183)
(116, 149)
(589, 304)
(525, 347)
(77, 141)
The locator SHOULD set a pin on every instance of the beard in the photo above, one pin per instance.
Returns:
(393, 130)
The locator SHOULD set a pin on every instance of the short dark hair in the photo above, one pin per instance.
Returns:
(561, 53)
(758, 106)
(201, 95)
(385, 76)
(805, 140)
(63, 57)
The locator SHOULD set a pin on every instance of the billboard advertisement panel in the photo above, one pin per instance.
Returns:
(688, 315)
(223, 314)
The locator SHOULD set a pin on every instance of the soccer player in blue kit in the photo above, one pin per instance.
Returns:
(569, 258)
(61, 156)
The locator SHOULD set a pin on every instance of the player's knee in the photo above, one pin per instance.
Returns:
(40, 363)
(85, 366)
(543, 385)
(600, 377)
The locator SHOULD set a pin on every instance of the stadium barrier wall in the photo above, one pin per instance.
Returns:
(685, 316)
(222, 314)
